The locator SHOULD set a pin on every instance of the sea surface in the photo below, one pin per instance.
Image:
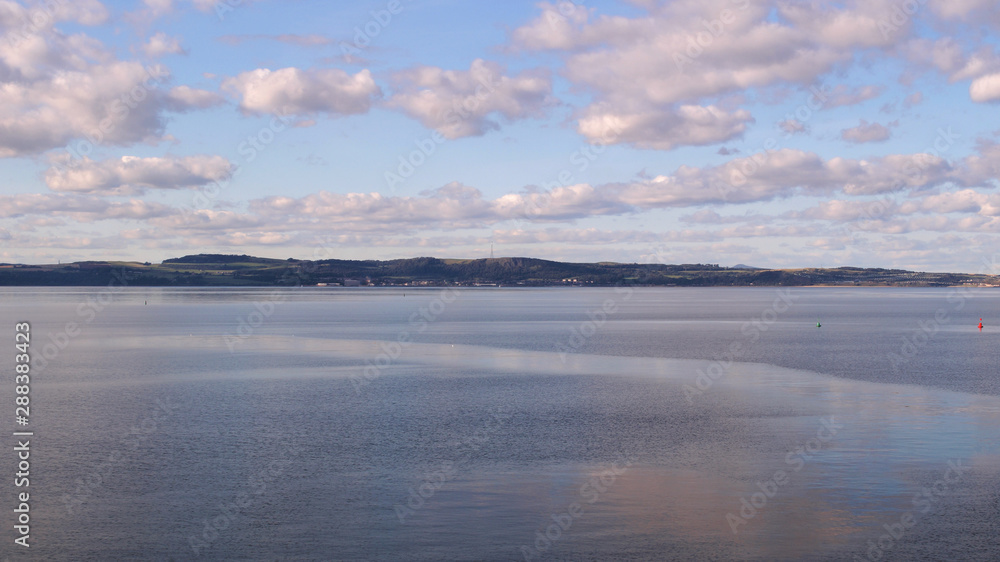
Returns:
(506, 424)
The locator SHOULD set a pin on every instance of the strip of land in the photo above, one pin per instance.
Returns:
(242, 270)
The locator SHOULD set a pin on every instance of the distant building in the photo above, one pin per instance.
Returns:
(352, 283)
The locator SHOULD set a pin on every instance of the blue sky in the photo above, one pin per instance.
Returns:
(676, 132)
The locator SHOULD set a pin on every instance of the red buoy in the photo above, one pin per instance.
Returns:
(980, 324)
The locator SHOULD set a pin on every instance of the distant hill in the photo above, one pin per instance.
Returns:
(219, 259)
(244, 270)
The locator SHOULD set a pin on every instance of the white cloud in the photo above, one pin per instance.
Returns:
(56, 89)
(663, 129)
(460, 103)
(82, 208)
(131, 173)
(450, 207)
(158, 8)
(792, 126)
(985, 89)
(311, 40)
(781, 174)
(588, 236)
(683, 51)
(161, 44)
(84, 12)
(294, 91)
(557, 27)
(866, 132)
(116, 103)
(652, 68)
(787, 172)
(970, 11)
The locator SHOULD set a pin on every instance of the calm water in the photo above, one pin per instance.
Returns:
(360, 424)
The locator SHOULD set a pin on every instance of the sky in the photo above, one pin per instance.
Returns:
(763, 132)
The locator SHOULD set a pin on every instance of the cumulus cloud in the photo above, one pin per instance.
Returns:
(664, 129)
(557, 27)
(82, 208)
(132, 173)
(866, 132)
(295, 91)
(671, 55)
(161, 44)
(778, 174)
(587, 236)
(56, 89)
(787, 172)
(948, 56)
(969, 11)
(792, 126)
(116, 103)
(451, 206)
(985, 89)
(282, 220)
(654, 67)
(462, 103)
